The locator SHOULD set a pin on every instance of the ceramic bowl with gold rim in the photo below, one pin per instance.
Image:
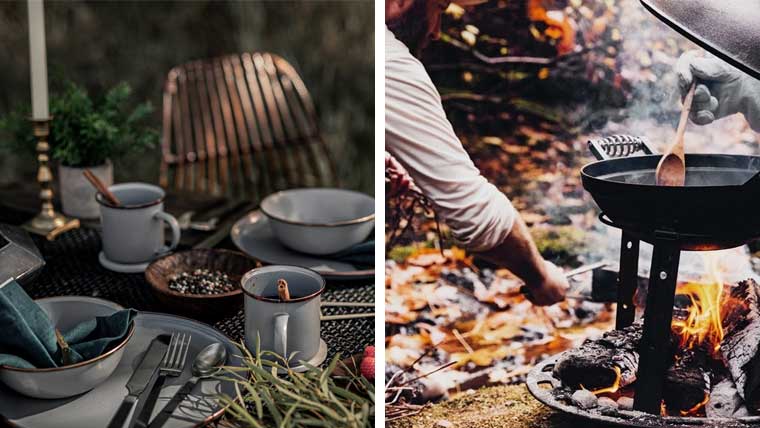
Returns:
(60, 382)
(320, 221)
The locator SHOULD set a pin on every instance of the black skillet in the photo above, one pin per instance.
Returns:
(719, 207)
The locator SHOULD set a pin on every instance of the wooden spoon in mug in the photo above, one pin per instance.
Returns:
(671, 171)
(101, 188)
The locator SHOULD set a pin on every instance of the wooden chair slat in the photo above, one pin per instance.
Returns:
(242, 125)
(187, 151)
(296, 143)
(231, 170)
(275, 168)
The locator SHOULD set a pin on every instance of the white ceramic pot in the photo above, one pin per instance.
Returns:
(61, 382)
(320, 221)
(77, 194)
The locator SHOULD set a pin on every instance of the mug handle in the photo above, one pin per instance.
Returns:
(174, 225)
(281, 334)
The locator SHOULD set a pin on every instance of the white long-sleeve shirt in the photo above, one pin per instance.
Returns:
(420, 137)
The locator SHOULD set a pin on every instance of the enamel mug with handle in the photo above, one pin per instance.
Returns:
(288, 328)
(133, 232)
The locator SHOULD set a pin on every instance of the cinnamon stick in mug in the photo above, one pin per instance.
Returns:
(282, 290)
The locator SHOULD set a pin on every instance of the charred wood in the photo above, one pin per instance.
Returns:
(687, 381)
(741, 341)
(594, 363)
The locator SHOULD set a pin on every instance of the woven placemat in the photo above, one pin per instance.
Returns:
(72, 268)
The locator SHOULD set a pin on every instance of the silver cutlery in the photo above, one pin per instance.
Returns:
(186, 222)
(347, 316)
(231, 214)
(348, 304)
(207, 363)
(138, 382)
(171, 365)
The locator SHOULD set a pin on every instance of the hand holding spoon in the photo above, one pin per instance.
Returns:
(671, 171)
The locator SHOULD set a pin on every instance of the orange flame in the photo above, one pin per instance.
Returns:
(703, 325)
(696, 407)
(612, 388)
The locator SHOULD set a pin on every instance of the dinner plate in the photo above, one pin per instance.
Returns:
(252, 235)
(95, 408)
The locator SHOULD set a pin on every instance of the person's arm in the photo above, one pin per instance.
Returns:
(722, 90)
(545, 282)
(481, 218)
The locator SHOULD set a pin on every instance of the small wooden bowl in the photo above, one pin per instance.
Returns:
(203, 306)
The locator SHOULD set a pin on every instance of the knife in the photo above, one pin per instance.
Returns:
(139, 382)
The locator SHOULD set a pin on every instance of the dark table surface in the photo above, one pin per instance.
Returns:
(72, 268)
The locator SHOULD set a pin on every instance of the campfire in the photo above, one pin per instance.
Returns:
(713, 363)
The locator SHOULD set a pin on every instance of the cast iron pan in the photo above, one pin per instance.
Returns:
(719, 207)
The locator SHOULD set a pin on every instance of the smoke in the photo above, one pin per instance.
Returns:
(648, 55)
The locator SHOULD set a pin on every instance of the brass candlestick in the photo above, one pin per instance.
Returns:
(47, 219)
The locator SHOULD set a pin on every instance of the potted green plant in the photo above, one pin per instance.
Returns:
(87, 133)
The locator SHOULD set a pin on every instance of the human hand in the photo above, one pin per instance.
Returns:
(550, 288)
(397, 180)
(722, 90)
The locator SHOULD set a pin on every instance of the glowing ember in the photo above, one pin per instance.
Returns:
(696, 407)
(612, 388)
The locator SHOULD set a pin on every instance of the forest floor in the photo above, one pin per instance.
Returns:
(498, 406)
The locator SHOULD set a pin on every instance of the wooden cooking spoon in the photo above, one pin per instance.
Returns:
(95, 181)
(671, 171)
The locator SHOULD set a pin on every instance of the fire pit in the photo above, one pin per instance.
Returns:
(648, 357)
(548, 389)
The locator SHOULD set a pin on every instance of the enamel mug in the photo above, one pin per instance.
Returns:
(288, 328)
(134, 231)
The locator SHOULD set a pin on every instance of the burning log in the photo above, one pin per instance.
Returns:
(607, 363)
(610, 363)
(687, 382)
(741, 341)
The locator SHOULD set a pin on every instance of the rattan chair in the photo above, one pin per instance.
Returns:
(242, 126)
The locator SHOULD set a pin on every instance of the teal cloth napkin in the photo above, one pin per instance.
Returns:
(360, 255)
(28, 335)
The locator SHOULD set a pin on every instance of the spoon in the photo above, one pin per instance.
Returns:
(207, 363)
(671, 171)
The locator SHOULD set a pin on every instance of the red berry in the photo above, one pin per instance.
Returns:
(369, 351)
(368, 367)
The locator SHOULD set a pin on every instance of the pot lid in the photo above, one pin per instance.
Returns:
(730, 29)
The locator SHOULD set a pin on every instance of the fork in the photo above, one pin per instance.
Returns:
(171, 365)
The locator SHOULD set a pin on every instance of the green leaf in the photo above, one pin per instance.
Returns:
(85, 131)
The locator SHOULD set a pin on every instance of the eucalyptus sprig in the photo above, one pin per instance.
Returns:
(270, 393)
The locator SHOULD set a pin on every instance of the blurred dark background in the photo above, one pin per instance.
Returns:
(98, 44)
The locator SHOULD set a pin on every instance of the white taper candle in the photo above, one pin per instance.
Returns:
(38, 59)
